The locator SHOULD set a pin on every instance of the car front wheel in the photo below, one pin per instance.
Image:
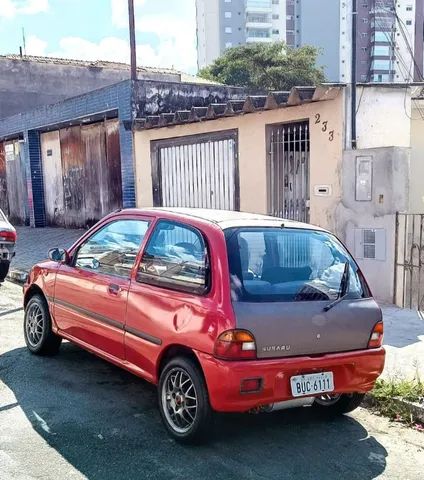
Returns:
(39, 336)
(183, 401)
(338, 404)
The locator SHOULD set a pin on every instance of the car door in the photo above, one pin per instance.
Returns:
(91, 292)
(166, 293)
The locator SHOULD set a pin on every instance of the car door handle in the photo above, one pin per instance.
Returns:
(114, 289)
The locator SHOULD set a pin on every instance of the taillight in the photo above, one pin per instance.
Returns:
(235, 345)
(376, 338)
(7, 236)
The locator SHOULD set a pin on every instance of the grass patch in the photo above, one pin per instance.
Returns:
(388, 396)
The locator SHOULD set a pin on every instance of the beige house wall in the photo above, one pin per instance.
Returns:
(326, 141)
(416, 195)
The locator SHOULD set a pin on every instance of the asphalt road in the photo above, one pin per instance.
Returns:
(75, 416)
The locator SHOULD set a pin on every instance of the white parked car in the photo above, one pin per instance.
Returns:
(7, 245)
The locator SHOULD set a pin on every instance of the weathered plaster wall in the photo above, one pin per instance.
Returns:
(325, 156)
(416, 202)
(26, 84)
(390, 193)
(383, 117)
(154, 98)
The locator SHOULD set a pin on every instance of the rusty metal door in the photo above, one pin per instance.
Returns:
(198, 171)
(17, 192)
(409, 261)
(288, 178)
(73, 176)
(95, 176)
(53, 178)
(112, 200)
(4, 204)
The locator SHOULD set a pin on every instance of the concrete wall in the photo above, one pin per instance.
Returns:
(26, 84)
(390, 193)
(154, 98)
(416, 200)
(320, 27)
(208, 40)
(325, 156)
(383, 117)
(236, 23)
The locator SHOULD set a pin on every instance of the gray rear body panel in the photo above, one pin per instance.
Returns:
(286, 329)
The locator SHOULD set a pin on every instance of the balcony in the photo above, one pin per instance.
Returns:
(258, 21)
(259, 40)
(258, 6)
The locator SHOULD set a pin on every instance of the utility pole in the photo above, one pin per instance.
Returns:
(353, 75)
(132, 40)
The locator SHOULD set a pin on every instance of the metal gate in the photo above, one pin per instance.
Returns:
(409, 261)
(197, 171)
(288, 184)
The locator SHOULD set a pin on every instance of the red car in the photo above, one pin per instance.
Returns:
(224, 311)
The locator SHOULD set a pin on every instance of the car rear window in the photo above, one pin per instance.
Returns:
(286, 265)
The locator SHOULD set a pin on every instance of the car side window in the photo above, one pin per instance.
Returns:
(176, 258)
(113, 249)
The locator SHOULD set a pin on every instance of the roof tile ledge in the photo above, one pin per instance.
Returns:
(252, 103)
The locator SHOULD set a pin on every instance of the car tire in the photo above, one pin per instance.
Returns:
(39, 336)
(345, 403)
(4, 270)
(176, 404)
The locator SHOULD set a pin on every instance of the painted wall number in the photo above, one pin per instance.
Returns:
(324, 127)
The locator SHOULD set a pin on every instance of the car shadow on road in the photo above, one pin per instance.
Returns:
(104, 421)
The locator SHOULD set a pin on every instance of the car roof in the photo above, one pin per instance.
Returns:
(227, 218)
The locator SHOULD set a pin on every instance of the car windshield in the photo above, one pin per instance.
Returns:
(2, 217)
(289, 265)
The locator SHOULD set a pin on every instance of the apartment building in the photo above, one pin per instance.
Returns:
(389, 33)
(222, 24)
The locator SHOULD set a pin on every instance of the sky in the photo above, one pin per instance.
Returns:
(98, 30)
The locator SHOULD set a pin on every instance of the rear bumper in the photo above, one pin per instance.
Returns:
(353, 372)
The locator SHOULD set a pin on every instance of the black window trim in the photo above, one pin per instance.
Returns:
(72, 263)
(167, 284)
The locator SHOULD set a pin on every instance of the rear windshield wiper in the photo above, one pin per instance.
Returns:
(344, 288)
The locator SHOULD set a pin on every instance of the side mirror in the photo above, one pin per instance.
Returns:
(59, 255)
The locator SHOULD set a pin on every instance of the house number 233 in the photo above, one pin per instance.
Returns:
(324, 127)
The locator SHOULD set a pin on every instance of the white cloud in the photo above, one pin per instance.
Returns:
(114, 49)
(119, 10)
(12, 8)
(174, 26)
(35, 46)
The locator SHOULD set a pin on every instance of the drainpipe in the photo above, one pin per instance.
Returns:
(353, 74)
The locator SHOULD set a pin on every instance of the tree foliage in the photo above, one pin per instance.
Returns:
(266, 66)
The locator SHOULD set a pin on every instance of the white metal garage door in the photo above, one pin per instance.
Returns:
(197, 172)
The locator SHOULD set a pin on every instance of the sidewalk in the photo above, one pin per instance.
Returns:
(33, 245)
(404, 342)
(404, 329)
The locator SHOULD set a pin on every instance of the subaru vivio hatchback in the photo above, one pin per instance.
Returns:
(223, 311)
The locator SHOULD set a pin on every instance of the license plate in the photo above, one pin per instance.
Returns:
(311, 384)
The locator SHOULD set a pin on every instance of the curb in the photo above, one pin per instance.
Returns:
(17, 276)
(416, 410)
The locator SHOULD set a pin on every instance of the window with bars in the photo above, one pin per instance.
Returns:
(369, 243)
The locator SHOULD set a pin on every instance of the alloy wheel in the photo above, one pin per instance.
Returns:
(34, 325)
(327, 399)
(179, 400)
